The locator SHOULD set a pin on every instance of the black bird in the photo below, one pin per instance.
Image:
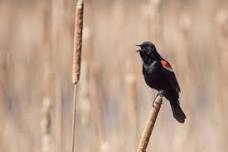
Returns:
(160, 76)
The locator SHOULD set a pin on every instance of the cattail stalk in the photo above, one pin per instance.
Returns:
(131, 91)
(77, 42)
(131, 95)
(59, 119)
(144, 140)
(76, 61)
(45, 125)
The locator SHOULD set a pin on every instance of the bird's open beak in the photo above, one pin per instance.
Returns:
(139, 45)
(139, 49)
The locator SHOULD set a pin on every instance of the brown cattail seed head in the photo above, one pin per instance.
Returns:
(77, 42)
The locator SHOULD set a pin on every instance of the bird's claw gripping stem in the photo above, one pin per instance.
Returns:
(160, 93)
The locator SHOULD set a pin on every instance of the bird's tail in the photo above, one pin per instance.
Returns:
(178, 113)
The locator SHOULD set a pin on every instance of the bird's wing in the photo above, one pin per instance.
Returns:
(170, 75)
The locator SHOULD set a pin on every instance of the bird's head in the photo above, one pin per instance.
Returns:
(148, 52)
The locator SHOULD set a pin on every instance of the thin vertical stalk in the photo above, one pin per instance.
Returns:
(130, 82)
(74, 119)
(45, 125)
(59, 119)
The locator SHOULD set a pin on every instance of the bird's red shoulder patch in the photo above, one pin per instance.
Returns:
(166, 65)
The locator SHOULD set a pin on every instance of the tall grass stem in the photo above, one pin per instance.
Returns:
(144, 140)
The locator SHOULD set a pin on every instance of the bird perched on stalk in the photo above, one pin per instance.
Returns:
(160, 76)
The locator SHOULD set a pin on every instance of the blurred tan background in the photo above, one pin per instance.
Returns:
(113, 101)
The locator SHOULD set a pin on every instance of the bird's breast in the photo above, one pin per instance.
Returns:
(152, 79)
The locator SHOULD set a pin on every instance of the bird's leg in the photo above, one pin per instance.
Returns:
(160, 93)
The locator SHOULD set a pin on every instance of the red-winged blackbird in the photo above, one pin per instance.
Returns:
(159, 75)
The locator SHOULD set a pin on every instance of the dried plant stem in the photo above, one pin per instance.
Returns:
(74, 119)
(131, 91)
(131, 94)
(45, 125)
(144, 140)
(76, 61)
(59, 121)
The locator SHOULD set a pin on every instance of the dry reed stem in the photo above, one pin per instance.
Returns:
(131, 95)
(59, 119)
(132, 106)
(45, 125)
(76, 61)
(97, 110)
(131, 90)
(144, 140)
(74, 120)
